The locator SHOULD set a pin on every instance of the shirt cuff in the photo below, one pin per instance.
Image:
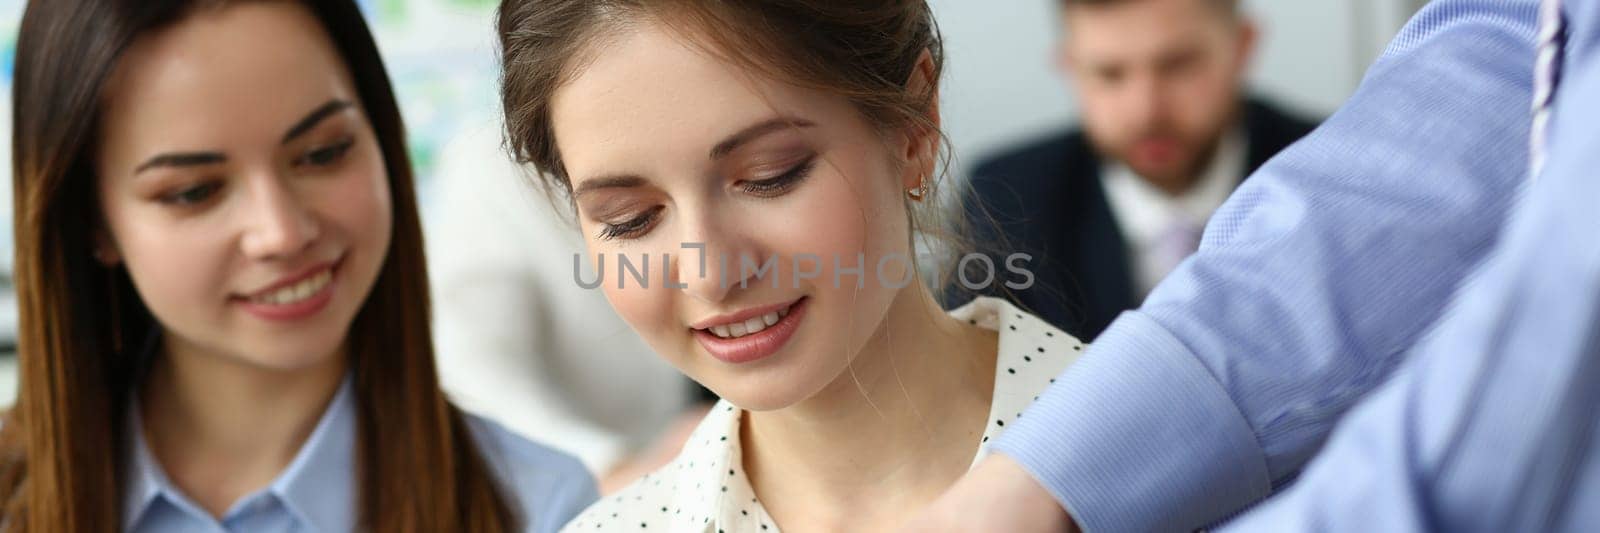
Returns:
(1139, 436)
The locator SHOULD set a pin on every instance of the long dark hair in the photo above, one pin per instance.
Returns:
(61, 458)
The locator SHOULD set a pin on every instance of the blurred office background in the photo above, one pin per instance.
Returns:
(1000, 87)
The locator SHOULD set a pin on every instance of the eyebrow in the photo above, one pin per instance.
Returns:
(192, 159)
(621, 181)
(722, 149)
(315, 117)
(185, 159)
(755, 131)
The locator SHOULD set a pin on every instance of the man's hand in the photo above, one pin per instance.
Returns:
(998, 495)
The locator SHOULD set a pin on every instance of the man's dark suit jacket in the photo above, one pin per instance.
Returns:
(1046, 199)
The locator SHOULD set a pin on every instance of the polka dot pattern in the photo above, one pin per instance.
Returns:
(705, 487)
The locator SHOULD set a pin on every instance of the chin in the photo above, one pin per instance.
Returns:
(297, 348)
(290, 355)
(290, 363)
(770, 389)
(758, 391)
(1161, 172)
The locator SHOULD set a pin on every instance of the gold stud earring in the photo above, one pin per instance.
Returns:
(920, 192)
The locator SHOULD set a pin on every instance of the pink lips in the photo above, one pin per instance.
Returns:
(755, 346)
(1156, 151)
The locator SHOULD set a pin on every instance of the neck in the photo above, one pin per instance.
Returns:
(222, 428)
(889, 435)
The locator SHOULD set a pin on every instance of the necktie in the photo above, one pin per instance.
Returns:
(1177, 242)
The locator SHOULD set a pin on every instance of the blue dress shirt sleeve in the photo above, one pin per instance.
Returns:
(1492, 424)
(1311, 283)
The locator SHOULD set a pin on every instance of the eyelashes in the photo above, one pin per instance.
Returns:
(772, 187)
(782, 183)
(326, 156)
(191, 196)
(633, 228)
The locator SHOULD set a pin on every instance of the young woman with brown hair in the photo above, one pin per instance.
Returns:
(224, 310)
(769, 163)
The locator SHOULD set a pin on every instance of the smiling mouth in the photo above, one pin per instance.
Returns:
(755, 337)
(748, 327)
(303, 297)
(297, 289)
(298, 292)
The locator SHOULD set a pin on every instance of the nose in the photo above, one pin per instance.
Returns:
(1142, 101)
(714, 259)
(278, 224)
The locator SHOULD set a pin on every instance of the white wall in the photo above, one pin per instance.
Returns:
(1000, 85)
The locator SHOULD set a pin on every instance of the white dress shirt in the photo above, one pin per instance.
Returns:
(518, 340)
(705, 489)
(1146, 214)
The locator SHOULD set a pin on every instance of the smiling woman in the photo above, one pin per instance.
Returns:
(801, 131)
(219, 267)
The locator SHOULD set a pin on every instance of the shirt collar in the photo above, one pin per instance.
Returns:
(1144, 211)
(709, 473)
(1030, 354)
(317, 487)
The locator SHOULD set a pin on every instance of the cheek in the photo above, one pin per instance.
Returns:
(1204, 96)
(852, 208)
(840, 220)
(643, 309)
(648, 310)
(1102, 118)
(179, 268)
(357, 204)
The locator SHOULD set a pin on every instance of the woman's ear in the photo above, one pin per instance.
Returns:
(921, 148)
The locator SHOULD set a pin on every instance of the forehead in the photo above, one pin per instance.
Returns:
(649, 97)
(1137, 27)
(231, 74)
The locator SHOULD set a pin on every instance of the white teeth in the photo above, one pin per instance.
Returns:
(748, 327)
(297, 292)
(754, 325)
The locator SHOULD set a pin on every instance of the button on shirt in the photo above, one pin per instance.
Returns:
(316, 493)
(705, 489)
